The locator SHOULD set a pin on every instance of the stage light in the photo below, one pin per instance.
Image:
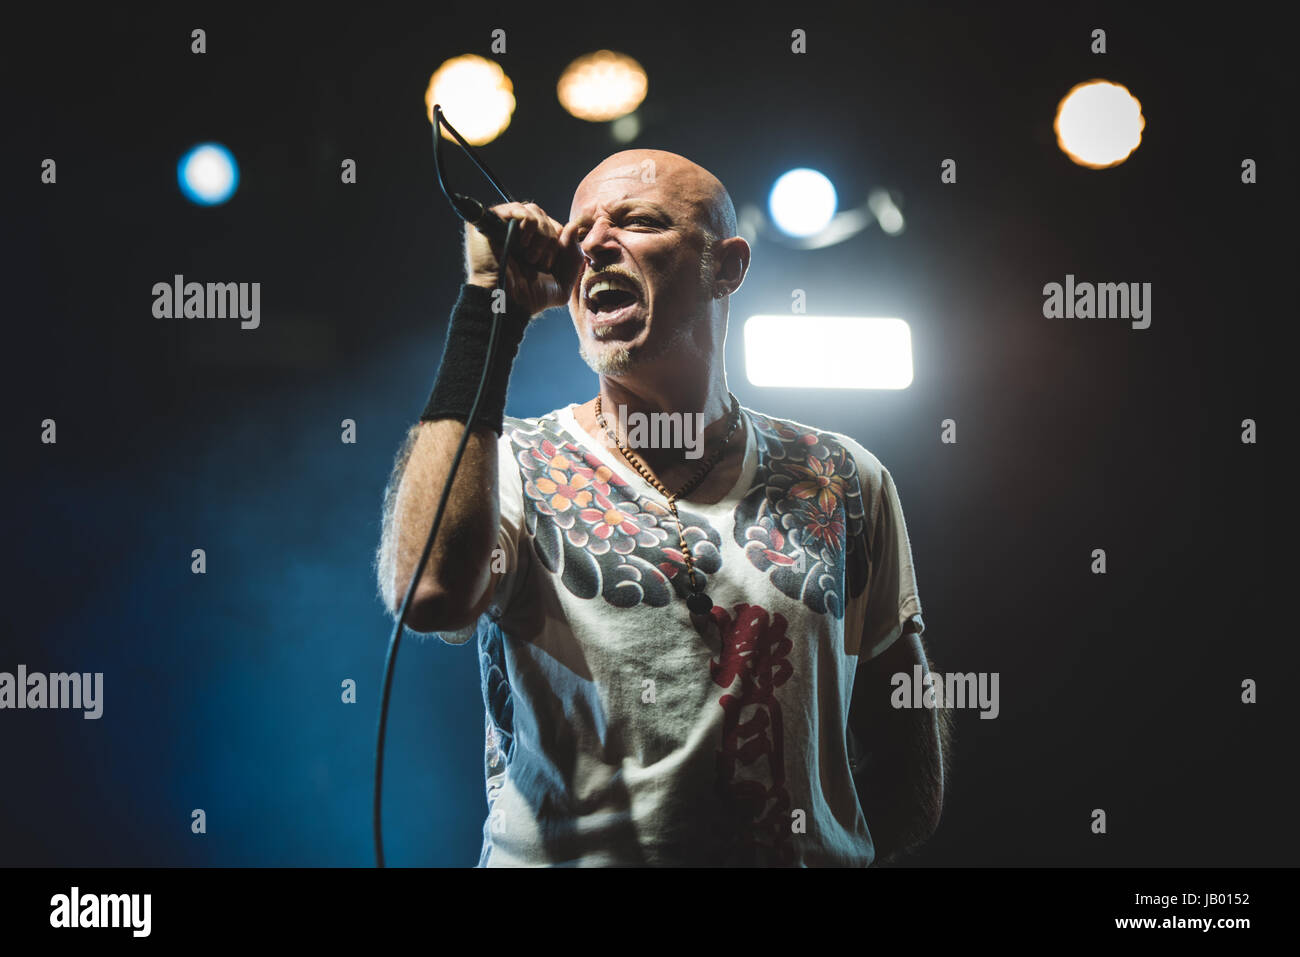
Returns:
(626, 128)
(208, 174)
(802, 202)
(1098, 124)
(476, 96)
(828, 352)
(602, 86)
(888, 215)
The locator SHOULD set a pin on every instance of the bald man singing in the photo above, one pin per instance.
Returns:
(687, 613)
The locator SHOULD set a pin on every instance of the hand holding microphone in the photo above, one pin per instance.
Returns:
(545, 260)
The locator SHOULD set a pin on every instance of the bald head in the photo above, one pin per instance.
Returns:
(699, 192)
(657, 234)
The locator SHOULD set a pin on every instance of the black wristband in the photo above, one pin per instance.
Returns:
(463, 357)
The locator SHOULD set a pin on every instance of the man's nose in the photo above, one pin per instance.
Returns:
(598, 247)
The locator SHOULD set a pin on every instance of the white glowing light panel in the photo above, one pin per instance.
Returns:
(828, 352)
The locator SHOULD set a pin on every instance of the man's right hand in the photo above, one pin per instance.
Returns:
(549, 248)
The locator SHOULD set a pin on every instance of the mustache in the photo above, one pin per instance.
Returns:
(586, 280)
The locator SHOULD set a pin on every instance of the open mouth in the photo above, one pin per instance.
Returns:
(611, 299)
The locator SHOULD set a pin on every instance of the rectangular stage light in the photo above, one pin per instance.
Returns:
(828, 352)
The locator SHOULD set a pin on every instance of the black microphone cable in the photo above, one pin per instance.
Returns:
(475, 213)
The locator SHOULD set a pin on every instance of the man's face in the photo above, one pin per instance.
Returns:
(646, 282)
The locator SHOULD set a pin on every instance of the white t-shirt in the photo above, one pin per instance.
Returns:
(620, 734)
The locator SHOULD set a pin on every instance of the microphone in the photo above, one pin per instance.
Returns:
(493, 227)
(486, 222)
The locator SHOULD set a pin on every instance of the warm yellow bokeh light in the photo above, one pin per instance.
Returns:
(1098, 124)
(476, 96)
(602, 86)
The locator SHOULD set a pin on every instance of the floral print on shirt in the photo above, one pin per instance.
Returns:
(802, 519)
(593, 530)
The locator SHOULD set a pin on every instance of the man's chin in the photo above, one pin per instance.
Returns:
(614, 349)
(608, 359)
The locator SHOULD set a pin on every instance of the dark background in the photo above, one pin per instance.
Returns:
(222, 691)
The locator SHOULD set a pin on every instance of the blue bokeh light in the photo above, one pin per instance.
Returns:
(208, 174)
(802, 202)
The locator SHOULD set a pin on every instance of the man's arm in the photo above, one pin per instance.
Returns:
(906, 753)
(457, 583)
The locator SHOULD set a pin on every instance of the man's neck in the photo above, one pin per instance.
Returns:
(627, 406)
(684, 395)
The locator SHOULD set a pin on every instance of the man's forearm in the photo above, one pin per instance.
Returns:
(906, 753)
(906, 780)
(458, 571)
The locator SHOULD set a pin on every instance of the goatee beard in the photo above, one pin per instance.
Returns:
(607, 362)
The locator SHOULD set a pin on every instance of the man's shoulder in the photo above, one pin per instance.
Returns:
(551, 420)
(550, 441)
(790, 439)
(522, 432)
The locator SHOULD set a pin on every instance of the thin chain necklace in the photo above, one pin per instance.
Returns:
(698, 602)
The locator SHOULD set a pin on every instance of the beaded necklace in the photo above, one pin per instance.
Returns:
(698, 602)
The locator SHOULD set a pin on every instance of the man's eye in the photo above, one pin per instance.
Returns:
(642, 221)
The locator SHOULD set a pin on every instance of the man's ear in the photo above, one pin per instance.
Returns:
(732, 256)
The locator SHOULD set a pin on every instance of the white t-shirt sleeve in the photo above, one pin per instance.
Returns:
(505, 556)
(893, 606)
(511, 530)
